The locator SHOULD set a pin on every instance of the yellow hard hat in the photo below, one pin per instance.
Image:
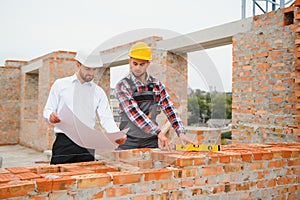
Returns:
(140, 50)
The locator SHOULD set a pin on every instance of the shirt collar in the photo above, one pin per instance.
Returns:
(135, 80)
(74, 78)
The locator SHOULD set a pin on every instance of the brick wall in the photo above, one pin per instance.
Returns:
(265, 107)
(10, 102)
(296, 68)
(35, 86)
(240, 171)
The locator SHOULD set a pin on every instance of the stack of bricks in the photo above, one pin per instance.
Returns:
(297, 66)
(244, 171)
(264, 105)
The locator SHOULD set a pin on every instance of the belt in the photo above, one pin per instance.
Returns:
(59, 133)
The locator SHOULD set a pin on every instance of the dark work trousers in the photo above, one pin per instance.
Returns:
(64, 150)
(134, 143)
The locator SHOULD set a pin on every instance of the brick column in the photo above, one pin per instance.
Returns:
(171, 70)
(10, 101)
(296, 68)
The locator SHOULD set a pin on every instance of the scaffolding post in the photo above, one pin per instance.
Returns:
(243, 9)
(281, 3)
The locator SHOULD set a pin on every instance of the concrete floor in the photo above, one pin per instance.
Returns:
(17, 155)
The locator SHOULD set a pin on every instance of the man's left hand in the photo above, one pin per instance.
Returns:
(121, 140)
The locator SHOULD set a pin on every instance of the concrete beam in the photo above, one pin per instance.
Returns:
(208, 38)
(204, 39)
(32, 67)
(117, 58)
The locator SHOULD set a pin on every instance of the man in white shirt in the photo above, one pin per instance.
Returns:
(86, 100)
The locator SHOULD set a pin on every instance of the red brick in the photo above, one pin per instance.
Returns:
(267, 156)
(184, 161)
(167, 186)
(102, 169)
(58, 195)
(256, 166)
(4, 171)
(7, 177)
(99, 195)
(286, 153)
(210, 171)
(297, 3)
(126, 154)
(92, 180)
(117, 192)
(15, 189)
(246, 157)
(285, 181)
(79, 171)
(145, 164)
(294, 162)
(257, 155)
(276, 164)
(185, 173)
(27, 176)
(38, 197)
(213, 158)
(60, 174)
(224, 159)
(47, 169)
(232, 168)
(44, 184)
(288, 9)
(244, 186)
(126, 177)
(183, 183)
(17, 170)
(64, 183)
(198, 161)
(157, 174)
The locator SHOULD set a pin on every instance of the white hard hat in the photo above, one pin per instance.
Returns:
(89, 59)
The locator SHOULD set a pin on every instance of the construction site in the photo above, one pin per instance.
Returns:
(263, 161)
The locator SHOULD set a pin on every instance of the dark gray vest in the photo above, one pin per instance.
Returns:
(147, 104)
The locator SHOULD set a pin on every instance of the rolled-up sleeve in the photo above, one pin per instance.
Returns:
(52, 102)
(105, 114)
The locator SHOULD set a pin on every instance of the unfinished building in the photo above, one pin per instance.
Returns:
(265, 116)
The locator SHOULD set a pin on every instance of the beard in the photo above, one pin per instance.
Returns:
(86, 78)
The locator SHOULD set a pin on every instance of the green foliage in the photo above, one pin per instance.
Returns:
(204, 105)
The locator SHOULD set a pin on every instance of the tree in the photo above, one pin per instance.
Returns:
(204, 105)
(229, 105)
(218, 102)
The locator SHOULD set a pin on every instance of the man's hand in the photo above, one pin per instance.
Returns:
(121, 140)
(164, 140)
(184, 138)
(54, 118)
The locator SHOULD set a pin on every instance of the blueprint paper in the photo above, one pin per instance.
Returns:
(85, 136)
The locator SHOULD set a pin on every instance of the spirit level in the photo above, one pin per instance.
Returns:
(203, 147)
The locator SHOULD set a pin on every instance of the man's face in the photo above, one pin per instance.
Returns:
(86, 74)
(138, 67)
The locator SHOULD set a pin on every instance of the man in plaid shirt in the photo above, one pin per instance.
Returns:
(140, 95)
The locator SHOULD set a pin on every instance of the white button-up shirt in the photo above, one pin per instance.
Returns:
(85, 100)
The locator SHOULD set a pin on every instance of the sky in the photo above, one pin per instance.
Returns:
(33, 28)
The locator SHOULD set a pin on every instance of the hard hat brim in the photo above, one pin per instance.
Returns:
(90, 60)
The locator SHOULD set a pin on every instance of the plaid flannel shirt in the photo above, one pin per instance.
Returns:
(128, 105)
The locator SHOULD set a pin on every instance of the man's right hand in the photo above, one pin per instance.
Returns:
(54, 118)
(164, 140)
